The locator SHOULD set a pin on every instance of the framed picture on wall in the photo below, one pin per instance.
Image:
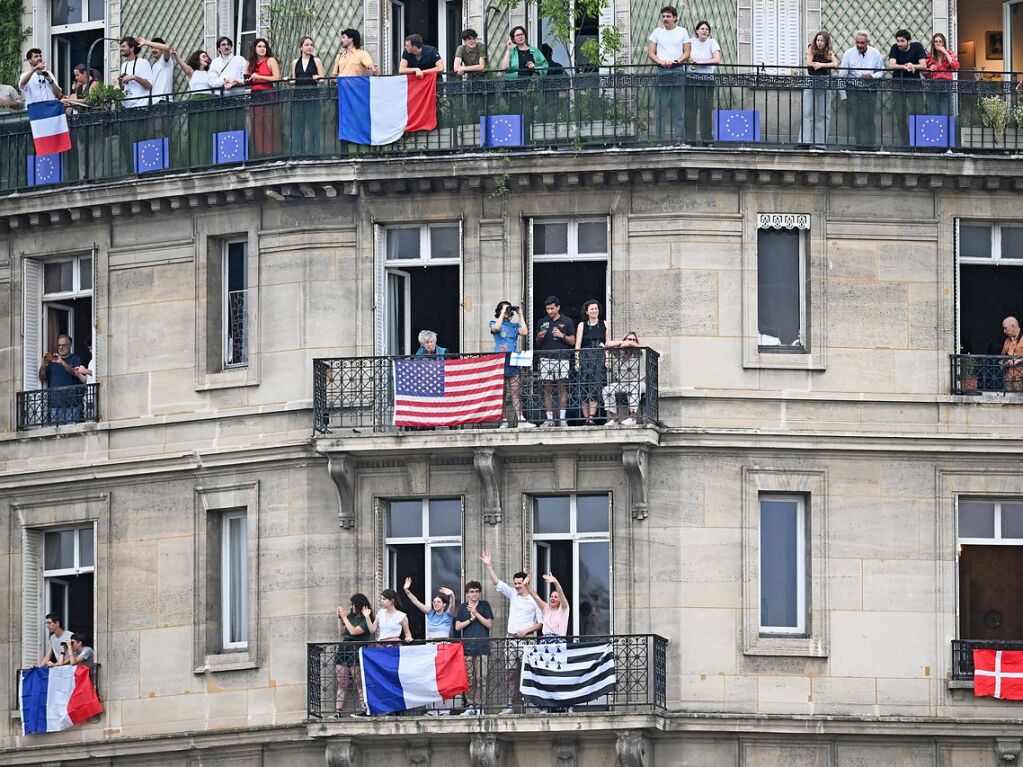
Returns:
(994, 45)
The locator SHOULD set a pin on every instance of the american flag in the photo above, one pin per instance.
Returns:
(448, 392)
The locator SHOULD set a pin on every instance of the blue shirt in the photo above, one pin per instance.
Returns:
(438, 625)
(440, 351)
(507, 338)
(57, 376)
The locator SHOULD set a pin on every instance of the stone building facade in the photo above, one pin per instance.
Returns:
(859, 426)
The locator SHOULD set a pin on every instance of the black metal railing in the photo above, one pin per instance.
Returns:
(59, 406)
(977, 373)
(638, 106)
(618, 385)
(334, 680)
(962, 653)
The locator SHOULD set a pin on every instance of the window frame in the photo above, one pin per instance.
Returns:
(996, 242)
(997, 539)
(803, 347)
(426, 540)
(425, 247)
(226, 602)
(77, 291)
(86, 24)
(225, 303)
(78, 568)
(572, 253)
(799, 629)
(238, 7)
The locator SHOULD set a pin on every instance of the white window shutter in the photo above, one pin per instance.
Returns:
(31, 597)
(32, 298)
(790, 38)
(777, 37)
(379, 289)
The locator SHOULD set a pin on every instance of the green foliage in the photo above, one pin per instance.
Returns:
(995, 113)
(289, 21)
(1017, 115)
(11, 38)
(105, 96)
(564, 21)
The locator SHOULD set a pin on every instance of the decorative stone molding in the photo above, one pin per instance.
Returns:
(635, 460)
(342, 753)
(485, 751)
(342, 472)
(418, 754)
(633, 748)
(783, 221)
(1008, 749)
(418, 472)
(564, 472)
(488, 469)
(566, 753)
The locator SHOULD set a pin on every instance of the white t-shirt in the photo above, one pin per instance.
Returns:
(389, 625)
(523, 611)
(134, 94)
(163, 79)
(228, 69)
(54, 642)
(670, 42)
(701, 51)
(38, 89)
(199, 81)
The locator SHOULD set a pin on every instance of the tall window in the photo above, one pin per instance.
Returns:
(572, 540)
(245, 29)
(990, 552)
(234, 579)
(990, 259)
(422, 286)
(777, 40)
(782, 564)
(424, 543)
(781, 290)
(58, 301)
(74, 26)
(569, 259)
(69, 564)
(235, 302)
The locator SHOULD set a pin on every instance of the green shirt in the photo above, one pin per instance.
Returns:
(470, 57)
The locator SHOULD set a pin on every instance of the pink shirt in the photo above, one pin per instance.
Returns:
(555, 622)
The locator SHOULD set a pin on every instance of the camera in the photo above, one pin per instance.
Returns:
(513, 309)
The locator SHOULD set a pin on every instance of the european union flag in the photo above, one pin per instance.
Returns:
(501, 130)
(736, 125)
(932, 131)
(45, 169)
(230, 146)
(151, 155)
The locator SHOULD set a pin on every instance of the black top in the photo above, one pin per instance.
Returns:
(475, 629)
(912, 55)
(594, 336)
(428, 58)
(563, 323)
(525, 57)
(304, 75)
(821, 57)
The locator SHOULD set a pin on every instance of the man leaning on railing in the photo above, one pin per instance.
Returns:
(1012, 348)
(57, 371)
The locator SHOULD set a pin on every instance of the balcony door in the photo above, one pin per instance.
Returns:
(990, 552)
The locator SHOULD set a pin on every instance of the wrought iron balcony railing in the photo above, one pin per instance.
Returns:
(619, 385)
(978, 373)
(626, 106)
(334, 679)
(962, 654)
(58, 407)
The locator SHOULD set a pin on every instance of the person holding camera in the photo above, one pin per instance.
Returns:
(77, 652)
(557, 335)
(507, 333)
(136, 77)
(57, 372)
(37, 83)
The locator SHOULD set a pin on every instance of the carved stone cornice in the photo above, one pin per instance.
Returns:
(634, 749)
(488, 469)
(341, 467)
(485, 751)
(635, 461)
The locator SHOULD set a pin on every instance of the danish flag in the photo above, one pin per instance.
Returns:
(998, 674)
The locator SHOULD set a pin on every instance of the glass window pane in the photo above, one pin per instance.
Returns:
(236, 266)
(550, 239)
(1012, 242)
(443, 242)
(974, 240)
(976, 519)
(247, 13)
(402, 243)
(58, 277)
(65, 12)
(446, 568)
(85, 274)
(59, 550)
(1012, 520)
(405, 519)
(86, 544)
(96, 10)
(594, 588)
(445, 517)
(552, 515)
(593, 237)
(779, 568)
(778, 287)
(592, 514)
(238, 567)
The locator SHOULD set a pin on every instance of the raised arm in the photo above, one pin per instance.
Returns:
(452, 602)
(528, 583)
(549, 578)
(412, 597)
(161, 47)
(182, 63)
(488, 562)
(370, 623)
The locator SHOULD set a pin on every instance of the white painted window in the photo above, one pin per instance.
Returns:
(69, 564)
(777, 37)
(782, 566)
(234, 580)
(781, 289)
(990, 523)
(245, 26)
(989, 268)
(58, 301)
(74, 26)
(235, 282)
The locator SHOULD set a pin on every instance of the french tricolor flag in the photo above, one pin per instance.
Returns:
(55, 698)
(380, 110)
(49, 127)
(400, 677)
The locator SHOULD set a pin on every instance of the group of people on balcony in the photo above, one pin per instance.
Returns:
(469, 622)
(64, 647)
(569, 355)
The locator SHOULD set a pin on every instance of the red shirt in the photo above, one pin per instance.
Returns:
(263, 68)
(944, 67)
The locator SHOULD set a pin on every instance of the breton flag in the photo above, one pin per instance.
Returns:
(558, 675)
(447, 392)
(400, 677)
(49, 127)
(380, 110)
(56, 698)
(998, 674)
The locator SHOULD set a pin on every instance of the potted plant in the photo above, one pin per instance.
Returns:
(969, 366)
(105, 96)
(988, 132)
